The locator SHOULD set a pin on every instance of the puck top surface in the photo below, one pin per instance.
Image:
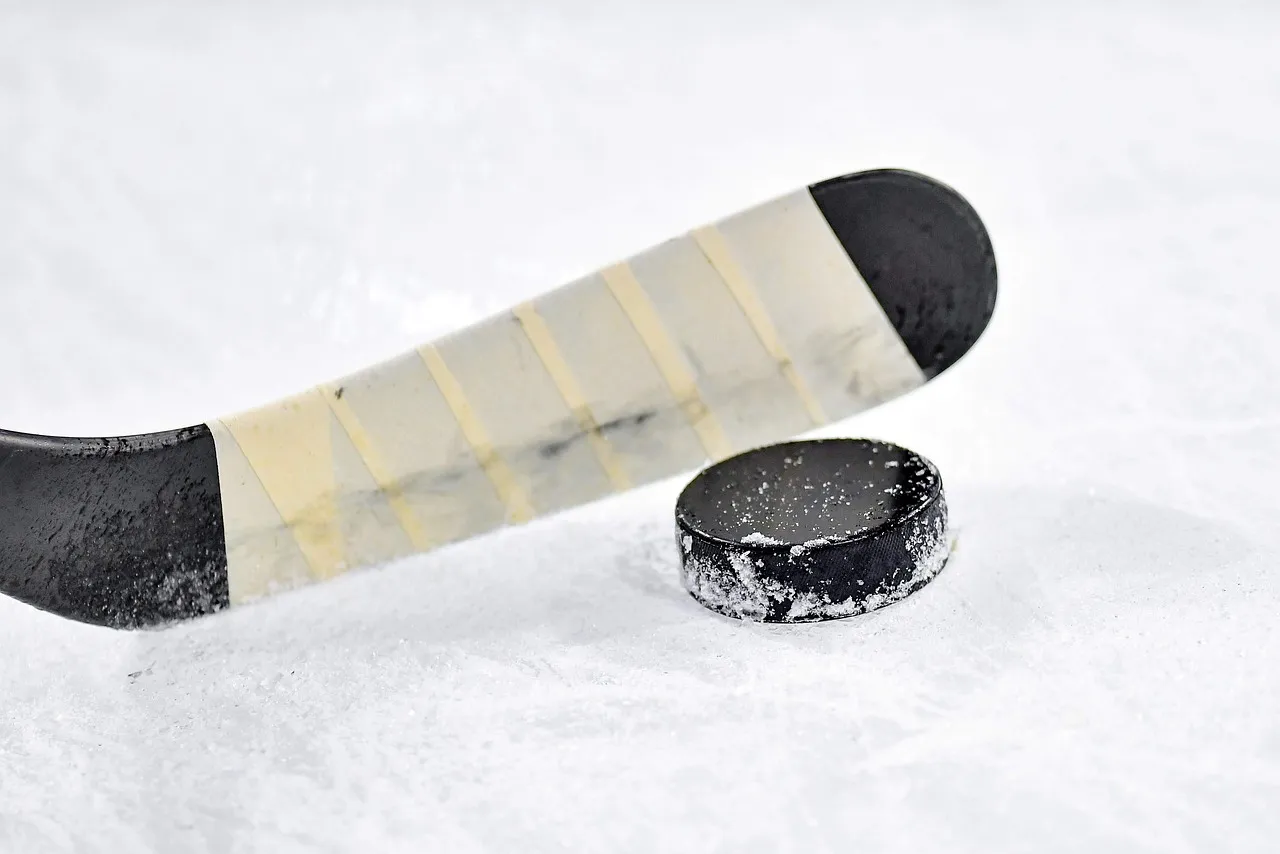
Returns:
(796, 493)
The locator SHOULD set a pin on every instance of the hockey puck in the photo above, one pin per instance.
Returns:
(811, 530)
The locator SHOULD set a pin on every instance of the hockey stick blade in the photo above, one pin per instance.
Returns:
(795, 313)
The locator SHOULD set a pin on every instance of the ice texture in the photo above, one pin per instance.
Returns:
(204, 207)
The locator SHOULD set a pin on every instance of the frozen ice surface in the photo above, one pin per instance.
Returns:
(204, 208)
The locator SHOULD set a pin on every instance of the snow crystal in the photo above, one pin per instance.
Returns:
(755, 538)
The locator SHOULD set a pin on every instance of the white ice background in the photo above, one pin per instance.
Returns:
(207, 206)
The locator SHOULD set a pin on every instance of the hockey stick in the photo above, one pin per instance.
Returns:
(794, 313)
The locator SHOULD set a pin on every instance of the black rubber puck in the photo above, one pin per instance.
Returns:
(812, 530)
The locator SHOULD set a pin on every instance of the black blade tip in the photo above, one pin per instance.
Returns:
(925, 254)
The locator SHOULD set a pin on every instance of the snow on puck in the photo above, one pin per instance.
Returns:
(811, 530)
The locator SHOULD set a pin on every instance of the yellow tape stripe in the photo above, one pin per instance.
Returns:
(262, 552)
(378, 469)
(544, 344)
(631, 295)
(225, 488)
(716, 250)
(288, 447)
(500, 474)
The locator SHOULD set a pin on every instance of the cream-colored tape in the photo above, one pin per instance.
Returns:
(525, 417)
(421, 449)
(504, 481)
(378, 468)
(712, 244)
(288, 445)
(736, 376)
(638, 415)
(291, 472)
(544, 343)
(262, 555)
(841, 340)
(748, 331)
(666, 356)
